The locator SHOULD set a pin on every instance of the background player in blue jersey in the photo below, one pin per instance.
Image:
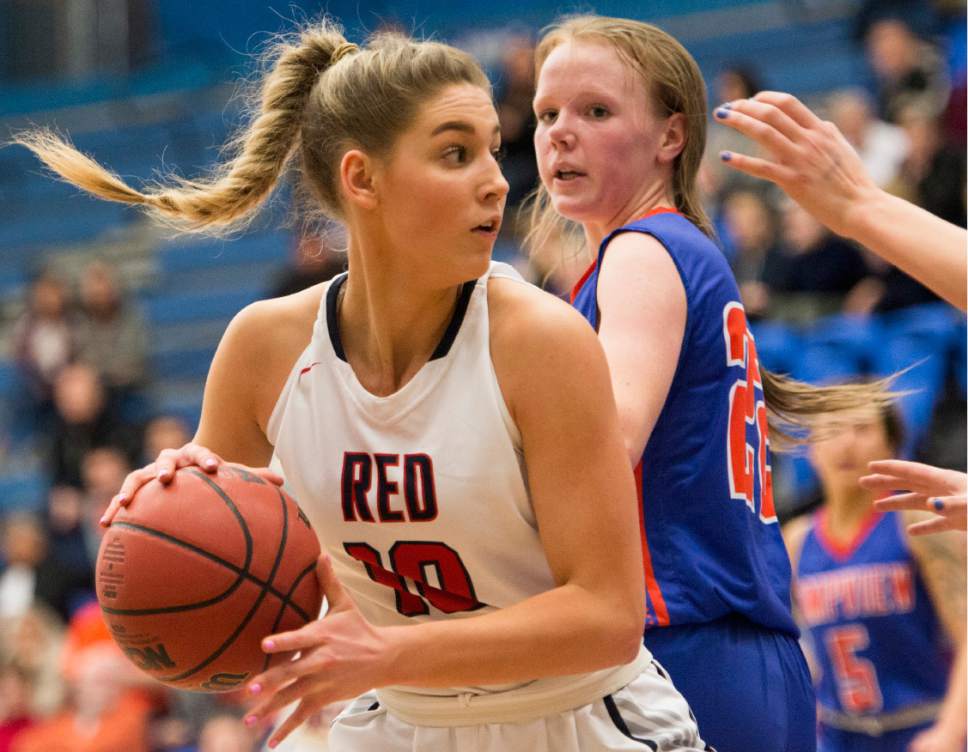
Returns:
(884, 610)
(621, 118)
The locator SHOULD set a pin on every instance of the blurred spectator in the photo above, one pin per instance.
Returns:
(815, 272)
(226, 733)
(933, 174)
(909, 71)
(315, 261)
(31, 574)
(33, 641)
(515, 86)
(15, 712)
(83, 421)
(933, 177)
(751, 229)
(164, 432)
(103, 471)
(43, 342)
(111, 333)
(102, 714)
(882, 147)
(739, 81)
(65, 510)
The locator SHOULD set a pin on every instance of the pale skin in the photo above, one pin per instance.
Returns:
(839, 461)
(412, 244)
(815, 165)
(595, 118)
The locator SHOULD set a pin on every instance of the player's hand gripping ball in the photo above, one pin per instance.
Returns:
(194, 574)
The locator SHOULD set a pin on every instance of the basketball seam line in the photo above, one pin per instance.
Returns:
(255, 606)
(243, 575)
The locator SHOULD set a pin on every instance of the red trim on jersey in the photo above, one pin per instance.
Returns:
(651, 583)
(591, 266)
(845, 549)
(580, 282)
(308, 368)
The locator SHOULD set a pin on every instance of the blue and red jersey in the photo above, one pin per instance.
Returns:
(710, 538)
(876, 637)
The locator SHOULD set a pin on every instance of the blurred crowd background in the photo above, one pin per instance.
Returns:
(107, 324)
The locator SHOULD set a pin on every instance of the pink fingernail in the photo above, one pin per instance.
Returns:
(250, 721)
(273, 744)
(269, 645)
(104, 521)
(210, 464)
(255, 688)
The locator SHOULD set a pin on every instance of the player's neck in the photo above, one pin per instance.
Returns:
(648, 199)
(847, 510)
(388, 327)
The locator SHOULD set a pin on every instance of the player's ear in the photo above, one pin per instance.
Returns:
(357, 179)
(673, 138)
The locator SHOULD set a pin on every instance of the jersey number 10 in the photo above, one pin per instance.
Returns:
(746, 461)
(413, 560)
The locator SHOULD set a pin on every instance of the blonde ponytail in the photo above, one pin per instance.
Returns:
(230, 196)
(798, 412)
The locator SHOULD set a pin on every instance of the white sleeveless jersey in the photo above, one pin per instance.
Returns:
(420, 497)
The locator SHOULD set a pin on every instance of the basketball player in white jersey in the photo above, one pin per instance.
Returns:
(448, 429)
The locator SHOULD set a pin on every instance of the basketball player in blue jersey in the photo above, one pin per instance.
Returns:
(620, 110)
(448, 429)
(884, 610)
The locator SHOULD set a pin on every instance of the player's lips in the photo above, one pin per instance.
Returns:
(489, 227)
(565, 173)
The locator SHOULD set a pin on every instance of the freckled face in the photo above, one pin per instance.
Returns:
(596, 139)
(442, 191)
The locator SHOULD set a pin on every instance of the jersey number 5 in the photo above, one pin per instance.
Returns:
(746, 461)
(414, 560)
(856, 677)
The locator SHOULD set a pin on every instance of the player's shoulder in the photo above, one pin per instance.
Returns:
(524, 317)
(276, 327)
(795, 534)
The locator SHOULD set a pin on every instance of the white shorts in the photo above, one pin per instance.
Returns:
(646, 713)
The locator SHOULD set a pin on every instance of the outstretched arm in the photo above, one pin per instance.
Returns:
(815, 165)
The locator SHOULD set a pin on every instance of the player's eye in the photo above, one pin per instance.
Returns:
(547, 117)
(499, 153)
(598, 112)
(456, 154)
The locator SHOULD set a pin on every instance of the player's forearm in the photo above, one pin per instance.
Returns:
(922, 245)
(567, 630)
(955, 704)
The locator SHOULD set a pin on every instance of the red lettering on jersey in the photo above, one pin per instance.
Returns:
(856, 679)
(746, 463)
(420, 489)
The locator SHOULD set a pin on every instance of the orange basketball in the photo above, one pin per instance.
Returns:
(193, 575)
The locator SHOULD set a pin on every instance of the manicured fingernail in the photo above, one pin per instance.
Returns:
(273, 744)
(725, 156)
(722, 113)
(254, 689)
(210, 464)
(103, 521)
(250, 721)
(268, 645)
(938, 504)
(727, 106)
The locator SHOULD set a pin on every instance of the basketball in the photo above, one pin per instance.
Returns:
(193, 575)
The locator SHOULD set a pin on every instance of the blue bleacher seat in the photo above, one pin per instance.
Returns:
(917, 340)
(199, 306)
(838, 348)
(777, 345)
